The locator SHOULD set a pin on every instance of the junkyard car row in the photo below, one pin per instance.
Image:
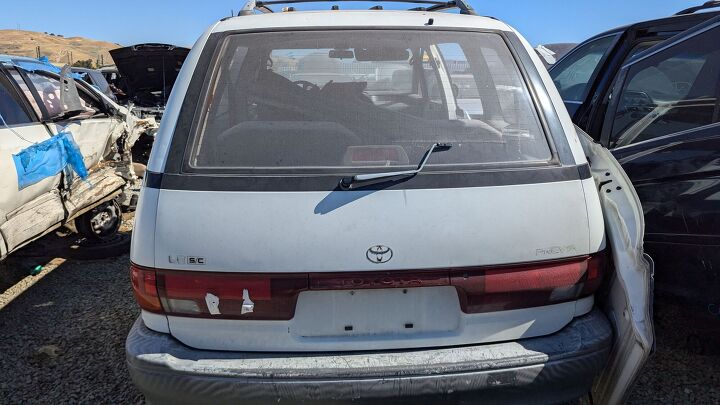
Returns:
(368, 205)
(37, 104)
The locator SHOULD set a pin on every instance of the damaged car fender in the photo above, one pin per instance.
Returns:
(628, 302)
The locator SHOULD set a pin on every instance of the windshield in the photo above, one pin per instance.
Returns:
(347, 100)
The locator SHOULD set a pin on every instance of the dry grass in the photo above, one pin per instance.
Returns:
(57, 49)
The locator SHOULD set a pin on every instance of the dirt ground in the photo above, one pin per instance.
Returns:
(63, 334)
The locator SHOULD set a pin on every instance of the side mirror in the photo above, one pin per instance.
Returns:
(637, 101)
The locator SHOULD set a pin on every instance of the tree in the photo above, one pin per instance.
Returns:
(84, 64)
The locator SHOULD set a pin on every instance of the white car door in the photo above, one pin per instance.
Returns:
(20, 129)
(28, 212)
(93, 129)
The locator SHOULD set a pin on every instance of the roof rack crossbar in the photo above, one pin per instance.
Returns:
(434, 5)
(704, 6)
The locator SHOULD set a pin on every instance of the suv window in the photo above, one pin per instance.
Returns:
(574, 72)
(10, 108)
(317, 102)
(668, 92)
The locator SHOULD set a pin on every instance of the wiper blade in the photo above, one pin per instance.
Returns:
(362, 180)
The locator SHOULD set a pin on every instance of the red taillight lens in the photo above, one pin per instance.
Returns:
(144, 284)
(274, 296)
(526, 286)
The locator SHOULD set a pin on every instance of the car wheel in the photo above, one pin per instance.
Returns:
(101, 222)
(93, 249)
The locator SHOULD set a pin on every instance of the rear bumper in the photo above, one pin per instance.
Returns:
(547, 369)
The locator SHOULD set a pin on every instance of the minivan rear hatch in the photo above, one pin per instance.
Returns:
(488, 242)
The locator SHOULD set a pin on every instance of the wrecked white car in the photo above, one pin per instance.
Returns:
(65, 154)
(371, 205)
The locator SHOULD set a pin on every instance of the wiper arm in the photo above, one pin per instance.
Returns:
(361, 180)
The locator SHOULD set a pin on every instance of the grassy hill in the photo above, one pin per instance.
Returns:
(60, 50)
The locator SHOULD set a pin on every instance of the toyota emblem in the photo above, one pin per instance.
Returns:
(379, 254)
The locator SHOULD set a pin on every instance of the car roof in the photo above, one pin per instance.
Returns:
(683, 19)
(357, 19)
(15, 58)
(32, 64)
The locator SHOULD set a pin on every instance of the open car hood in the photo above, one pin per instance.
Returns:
(149, 71)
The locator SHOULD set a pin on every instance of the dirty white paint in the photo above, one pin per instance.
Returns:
(629, 303)
(32, 219)
(98, 185)
(313, 330)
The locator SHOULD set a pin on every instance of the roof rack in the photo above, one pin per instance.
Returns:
(431, 5)
(704, 6)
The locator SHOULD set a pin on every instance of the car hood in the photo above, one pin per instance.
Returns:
(149, 71)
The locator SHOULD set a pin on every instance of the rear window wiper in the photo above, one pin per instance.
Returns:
(362, 180)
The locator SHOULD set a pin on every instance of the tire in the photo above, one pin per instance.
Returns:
(89, 249)
(100, 223)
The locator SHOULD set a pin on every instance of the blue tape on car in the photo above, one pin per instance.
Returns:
(48, 158)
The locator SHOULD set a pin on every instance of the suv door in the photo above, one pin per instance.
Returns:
(662, 125)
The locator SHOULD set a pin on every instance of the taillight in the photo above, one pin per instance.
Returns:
(274, 296)
(230, 295)
(144, 284)
(529, 285)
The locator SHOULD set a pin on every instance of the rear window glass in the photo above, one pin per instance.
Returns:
(340, 100)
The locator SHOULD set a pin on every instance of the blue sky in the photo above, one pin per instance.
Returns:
(181, 21)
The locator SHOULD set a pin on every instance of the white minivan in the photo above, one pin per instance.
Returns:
(372, 205)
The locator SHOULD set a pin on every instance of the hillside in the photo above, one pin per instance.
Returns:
(58, 49)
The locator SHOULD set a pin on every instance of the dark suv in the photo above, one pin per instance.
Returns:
(649, 92)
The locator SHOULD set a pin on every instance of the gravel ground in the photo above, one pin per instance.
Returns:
(63, 339)
(685, 368)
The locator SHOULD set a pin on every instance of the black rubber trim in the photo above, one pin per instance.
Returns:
(440, 180)
(153, 179)
(584, 171)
